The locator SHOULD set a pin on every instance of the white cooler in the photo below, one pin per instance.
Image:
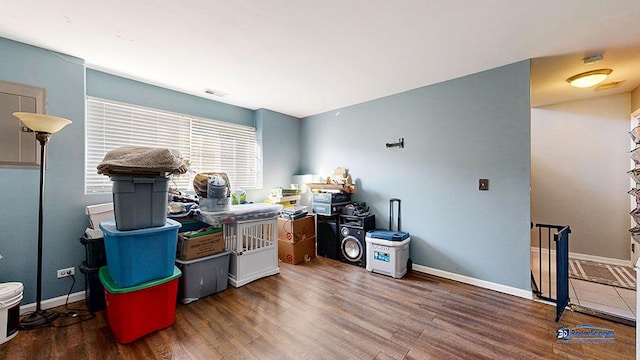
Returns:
(387, 257)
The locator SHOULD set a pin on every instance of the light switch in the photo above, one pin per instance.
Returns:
(483, 184)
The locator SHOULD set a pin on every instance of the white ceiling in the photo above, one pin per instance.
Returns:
(302, 57)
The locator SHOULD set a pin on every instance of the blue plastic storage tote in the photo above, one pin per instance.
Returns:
(137, 256)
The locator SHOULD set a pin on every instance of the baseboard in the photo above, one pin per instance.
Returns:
(526, 294)
(610, 261)
(53, 302)
(578, 256)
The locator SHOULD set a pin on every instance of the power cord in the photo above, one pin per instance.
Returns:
(60, 321)
(73, 312)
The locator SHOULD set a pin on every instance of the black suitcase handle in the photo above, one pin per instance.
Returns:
(391, 201)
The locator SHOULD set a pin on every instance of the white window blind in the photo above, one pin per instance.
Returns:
(209, 145)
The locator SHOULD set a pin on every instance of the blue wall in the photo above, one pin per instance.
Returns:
(107, 86)
(280, 136)
(455, 133)
(65, 221)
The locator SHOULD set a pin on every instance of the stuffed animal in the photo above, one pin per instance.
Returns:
(340, 176)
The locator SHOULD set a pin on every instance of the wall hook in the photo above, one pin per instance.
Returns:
(399, 144)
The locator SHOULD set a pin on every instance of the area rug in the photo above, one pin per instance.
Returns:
(614, 275)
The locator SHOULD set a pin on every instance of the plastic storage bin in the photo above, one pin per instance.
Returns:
(95, 254)
(94, 294)
(331, 198)
(203, 276)
(328, 209)
(10, 298)
(137, 256)
(139, 202)
(191, 225)
(388, 257)
(136, 311)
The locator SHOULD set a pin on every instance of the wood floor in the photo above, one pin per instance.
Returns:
(325, 309)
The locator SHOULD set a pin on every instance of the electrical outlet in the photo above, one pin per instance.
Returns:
(483, 184)
(66, 272)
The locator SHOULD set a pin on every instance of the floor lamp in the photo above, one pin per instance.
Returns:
(44, 126)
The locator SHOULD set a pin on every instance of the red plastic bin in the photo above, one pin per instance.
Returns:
(135, 311)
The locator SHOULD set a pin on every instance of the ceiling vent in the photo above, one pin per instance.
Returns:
(592, 59)
(215, 92)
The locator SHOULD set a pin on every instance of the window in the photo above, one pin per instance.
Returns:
(209, 145)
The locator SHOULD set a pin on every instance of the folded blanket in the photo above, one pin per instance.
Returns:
(142, 160)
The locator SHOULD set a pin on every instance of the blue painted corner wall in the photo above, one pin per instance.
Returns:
(68, 83)
(455, 133)
(280, 143)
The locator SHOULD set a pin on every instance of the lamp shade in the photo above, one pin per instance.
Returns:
(42, 123)
(589, 78)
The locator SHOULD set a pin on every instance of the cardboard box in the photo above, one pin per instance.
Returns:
(328, 209)
(296, 230)
(331, 198)
(193, 247)
(295, 253)
(99, 213)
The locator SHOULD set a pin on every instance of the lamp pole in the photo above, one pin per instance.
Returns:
(43, 138)
(40, 317)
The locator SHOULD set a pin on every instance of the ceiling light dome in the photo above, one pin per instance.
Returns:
(589, 78)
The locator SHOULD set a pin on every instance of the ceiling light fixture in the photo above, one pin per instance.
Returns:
(589, 78)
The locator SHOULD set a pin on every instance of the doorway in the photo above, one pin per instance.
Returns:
(579, 164)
